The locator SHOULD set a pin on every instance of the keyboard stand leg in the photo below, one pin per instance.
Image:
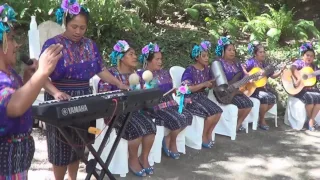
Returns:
(67, 136)
(97, 154)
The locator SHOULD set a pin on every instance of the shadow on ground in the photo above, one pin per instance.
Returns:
(280, 153)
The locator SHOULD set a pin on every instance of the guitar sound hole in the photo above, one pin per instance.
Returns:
(305, 77)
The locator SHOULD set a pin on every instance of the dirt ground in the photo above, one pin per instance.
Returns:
(278, 154)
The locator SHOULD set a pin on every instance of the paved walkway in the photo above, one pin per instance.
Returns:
(280, 153)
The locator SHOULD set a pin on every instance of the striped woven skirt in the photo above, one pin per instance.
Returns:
(16, 154)
(167, 115)
(309, 96)
(139, 125)
(201, 105)
(265, 96)
(242, 101)
(60, 153)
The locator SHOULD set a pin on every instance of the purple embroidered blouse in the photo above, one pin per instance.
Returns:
(124, 78)
(164, 80)
(12, 126)
(231, 69)
(80, 61)
(251, 63)
(192, 76)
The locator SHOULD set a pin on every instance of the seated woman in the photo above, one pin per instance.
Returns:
(16, 98)
(199, 79)
(309, 95)
(226, 50)
(141, 128)
(266, 97)
(166, 112)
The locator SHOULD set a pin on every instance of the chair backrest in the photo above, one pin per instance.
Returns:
(176, 75)
(95, 81)
(47, 30)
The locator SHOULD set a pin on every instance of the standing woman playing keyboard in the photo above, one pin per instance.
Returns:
(16, 98)
(227, 53)
(166, 112)
(140, 129)
(199, 79)
(80, 61)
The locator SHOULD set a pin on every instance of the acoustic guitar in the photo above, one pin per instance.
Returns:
(225, 95)
(307, 76)
(249, 88)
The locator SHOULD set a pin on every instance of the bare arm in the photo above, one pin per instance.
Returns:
(106, 76)
(50, 88)
(24, 97)
(295, 72)
(197, 87)
(276, 74)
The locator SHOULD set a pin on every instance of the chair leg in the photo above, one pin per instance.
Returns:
(276, 120)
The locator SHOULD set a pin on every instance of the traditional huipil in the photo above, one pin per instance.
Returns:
(263, 93)
(79, 63)
(201, 105)
(16, 144)
(309, 95)
(230, 70)
(166, 112)
(141, 123)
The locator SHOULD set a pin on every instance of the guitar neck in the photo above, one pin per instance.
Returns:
(315, 73)
(245, 80)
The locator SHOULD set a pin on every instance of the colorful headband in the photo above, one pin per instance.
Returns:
(197, 49)
(146, 50)
(221, 43)
(118, 51)
(7, 17)
(251, 47)
(304, 47)
(71, 7)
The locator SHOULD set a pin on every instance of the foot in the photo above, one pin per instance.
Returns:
(241, 129)
(136, 168)
(146, 166)
(264, 127)
(312, 125)
(208, 144)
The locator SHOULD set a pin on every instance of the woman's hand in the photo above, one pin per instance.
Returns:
(123, 87)
(61, 96)
(208, 84)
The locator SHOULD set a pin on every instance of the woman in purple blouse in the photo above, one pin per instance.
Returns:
(80, 61)
(266, 97)
(309, 95)
(199, 80)
(16, 98)
(140, 129)
(166, 113)
(226, 50)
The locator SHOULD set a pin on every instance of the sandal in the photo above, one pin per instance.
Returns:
(264, 127)
(141, 173)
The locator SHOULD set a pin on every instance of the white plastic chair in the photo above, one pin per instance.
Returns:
(273, 113)
(227, 125)
(253, 116)
(296, 114)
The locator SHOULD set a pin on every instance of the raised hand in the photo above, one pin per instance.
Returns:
(49, 59)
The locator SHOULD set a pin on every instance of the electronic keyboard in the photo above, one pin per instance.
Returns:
(83, 109)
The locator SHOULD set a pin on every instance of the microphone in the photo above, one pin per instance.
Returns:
(26, 60)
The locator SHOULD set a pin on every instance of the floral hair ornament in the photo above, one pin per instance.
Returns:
(197, 49)
(71, 7)
(304, 47)
(221, 43)
(7, 17)
(119, 49)
(251, 47)
(181, 91)
(146, 50)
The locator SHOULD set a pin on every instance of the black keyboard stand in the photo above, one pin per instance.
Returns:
(91, 165)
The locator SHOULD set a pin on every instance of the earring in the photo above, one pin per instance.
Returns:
(5, 43)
